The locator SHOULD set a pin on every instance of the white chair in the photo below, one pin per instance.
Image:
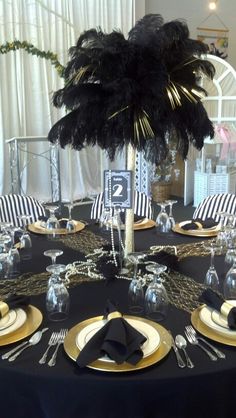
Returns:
(142, 205)
(13, 205)
(222, 202)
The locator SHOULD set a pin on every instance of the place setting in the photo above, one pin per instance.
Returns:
(51, 225)
(115, 342)
(197, 227)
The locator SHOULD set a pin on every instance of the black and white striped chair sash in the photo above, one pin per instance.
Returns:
(13, 205)
(142, 205)
(208, 208)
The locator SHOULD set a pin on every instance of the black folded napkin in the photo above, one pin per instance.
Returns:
(162, 257)
(136, 217)
(106, 266)
(13, 301)
(117, 338)
(216, 301)
(199, 224)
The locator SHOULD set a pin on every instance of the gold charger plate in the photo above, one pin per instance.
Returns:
(33, 321)
(201, 232)
(208, 331)
(142, 224)
(73, 351)
(38, 229)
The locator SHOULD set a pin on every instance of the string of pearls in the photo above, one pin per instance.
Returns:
(112, 222)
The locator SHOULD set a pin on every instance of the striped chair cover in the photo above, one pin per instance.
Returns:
(142, 205)
(208, 208)
(13, 205)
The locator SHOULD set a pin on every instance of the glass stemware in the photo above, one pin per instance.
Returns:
(53, 253)
(211, 278)
(52, 222)
(70, 225)
(171, 217)
(57, 297)
(135, 259)
(229, 285)
(156, 299)
(136, 292)
(163, 220)
(25, 240)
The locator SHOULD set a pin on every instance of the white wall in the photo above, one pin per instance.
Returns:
(195, 12)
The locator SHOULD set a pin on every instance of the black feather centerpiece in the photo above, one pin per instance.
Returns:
(135, 91)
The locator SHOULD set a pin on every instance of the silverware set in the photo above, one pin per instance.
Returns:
(56, 339)
(193, 338)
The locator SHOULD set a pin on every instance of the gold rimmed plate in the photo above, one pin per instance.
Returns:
(201, 232)
(17, 323)
(211, 333)
(33, 321)
(37, 228)
(144, 223)
(72, 349)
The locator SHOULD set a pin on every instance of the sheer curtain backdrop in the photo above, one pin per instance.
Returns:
(28, 82)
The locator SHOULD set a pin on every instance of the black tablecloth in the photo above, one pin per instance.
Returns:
(28, 389)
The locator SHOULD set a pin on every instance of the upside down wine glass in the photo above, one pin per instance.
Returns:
(211, 278)
(171, 217)
(136, 292)
(230, 281)
(163, 220)
(25, 240)
(57, 297)
(156, 299)
(70, 225)
(53, 253)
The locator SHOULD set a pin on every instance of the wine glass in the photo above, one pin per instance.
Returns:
(70, 225)
(229, 285)
(163, 220)
(25, 240)
(53, 253)
(136, 296)
(52, 222)
(136, 292)
(171, 217)
(211, 278)
(135, 259)
(4, 265)
(156, 299)
(57, 297)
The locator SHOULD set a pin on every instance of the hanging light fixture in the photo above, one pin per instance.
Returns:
(212, 5)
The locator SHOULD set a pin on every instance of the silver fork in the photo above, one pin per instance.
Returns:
(219, 353)
(62, 335)
(193, 340)
(52, 341)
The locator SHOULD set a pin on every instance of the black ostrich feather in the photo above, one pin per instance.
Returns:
(134, 91)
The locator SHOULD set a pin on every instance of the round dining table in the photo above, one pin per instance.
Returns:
(161, 390)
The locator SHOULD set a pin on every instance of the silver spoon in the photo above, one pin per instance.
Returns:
(182, 344)
(32, 341)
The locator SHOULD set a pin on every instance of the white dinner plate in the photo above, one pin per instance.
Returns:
(219, 319)
(206, 318)
(20, 320)
(8, 319)
(150, 346)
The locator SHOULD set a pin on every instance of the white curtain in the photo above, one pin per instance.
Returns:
(28, 82)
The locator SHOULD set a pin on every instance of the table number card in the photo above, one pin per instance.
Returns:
(118, 188)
